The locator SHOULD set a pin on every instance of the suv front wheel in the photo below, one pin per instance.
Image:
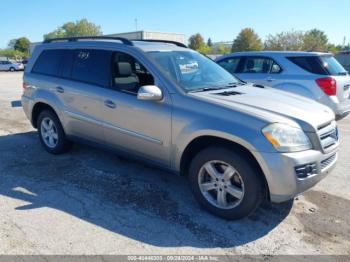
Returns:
(225, 183)
(51, 133)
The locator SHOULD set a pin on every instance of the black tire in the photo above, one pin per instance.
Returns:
(62, 144)
(254, 188)
(12, 69)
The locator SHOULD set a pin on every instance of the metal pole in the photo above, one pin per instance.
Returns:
(136, 24)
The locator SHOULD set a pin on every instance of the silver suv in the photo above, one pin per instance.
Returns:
(164, 103)
(318, 76)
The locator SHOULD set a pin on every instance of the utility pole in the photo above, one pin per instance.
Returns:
(136, 24)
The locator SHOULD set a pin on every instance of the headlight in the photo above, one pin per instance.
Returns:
(286, 138)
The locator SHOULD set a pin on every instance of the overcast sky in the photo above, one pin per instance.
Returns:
(221, 20)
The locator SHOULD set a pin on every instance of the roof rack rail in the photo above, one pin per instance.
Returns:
(161, 41)
(121, 39)
(76, 38)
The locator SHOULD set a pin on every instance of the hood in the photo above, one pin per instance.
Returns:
(272, 105)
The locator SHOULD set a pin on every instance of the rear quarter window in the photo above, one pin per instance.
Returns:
(311, 64)
(48, 63)
(332, 65)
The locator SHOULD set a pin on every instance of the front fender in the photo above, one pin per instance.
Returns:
(247, 134)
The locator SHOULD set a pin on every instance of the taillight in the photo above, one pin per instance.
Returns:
(24, 85)
(328, 85)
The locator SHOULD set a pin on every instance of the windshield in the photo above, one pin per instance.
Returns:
(332, 65)
(193, 71)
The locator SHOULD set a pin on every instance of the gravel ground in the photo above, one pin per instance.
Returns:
(92, 202)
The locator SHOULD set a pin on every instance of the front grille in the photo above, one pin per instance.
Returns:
(328, 135)
(325, 163)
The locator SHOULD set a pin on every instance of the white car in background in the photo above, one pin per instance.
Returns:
(11, 66)
(318, 76)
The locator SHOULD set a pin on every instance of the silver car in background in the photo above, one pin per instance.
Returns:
(318, 76)
(7, 65)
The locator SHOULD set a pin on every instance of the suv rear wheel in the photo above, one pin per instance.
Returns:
(12, 69)
(225, 183)
(51, 133)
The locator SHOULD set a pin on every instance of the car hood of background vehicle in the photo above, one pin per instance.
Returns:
(308, 113)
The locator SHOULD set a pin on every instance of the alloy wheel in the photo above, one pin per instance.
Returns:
(221, 184)
(49, 132)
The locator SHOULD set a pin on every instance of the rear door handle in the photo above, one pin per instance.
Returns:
(110, 104)
(59, 89)
(270, 79)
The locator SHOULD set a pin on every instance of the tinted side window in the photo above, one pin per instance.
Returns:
(67, 63)
(230, 64)
(92, 66)
(311, 64)
(332, 65)
(48, 63)
(260, 65)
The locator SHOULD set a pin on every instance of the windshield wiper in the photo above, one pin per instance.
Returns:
(236, 84)
(229, 85)
(205, 89)
(232, 85)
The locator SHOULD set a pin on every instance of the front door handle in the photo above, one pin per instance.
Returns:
(60, 89)
(110, 104)
(270, 79)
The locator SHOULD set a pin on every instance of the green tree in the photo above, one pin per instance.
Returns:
(343, 47)
(223, 49)
(285, 41)
(17, 48)
(204, 49)
(12, 43)
(79, 28)
(12, 53)
(315, 40)
(196, 41)
(333, 48)
(210, 42)
(247, 40)
(22, 44)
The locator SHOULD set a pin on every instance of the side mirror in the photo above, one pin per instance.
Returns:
(149, 93)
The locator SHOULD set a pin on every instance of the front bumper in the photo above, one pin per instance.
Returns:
(281, 176)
